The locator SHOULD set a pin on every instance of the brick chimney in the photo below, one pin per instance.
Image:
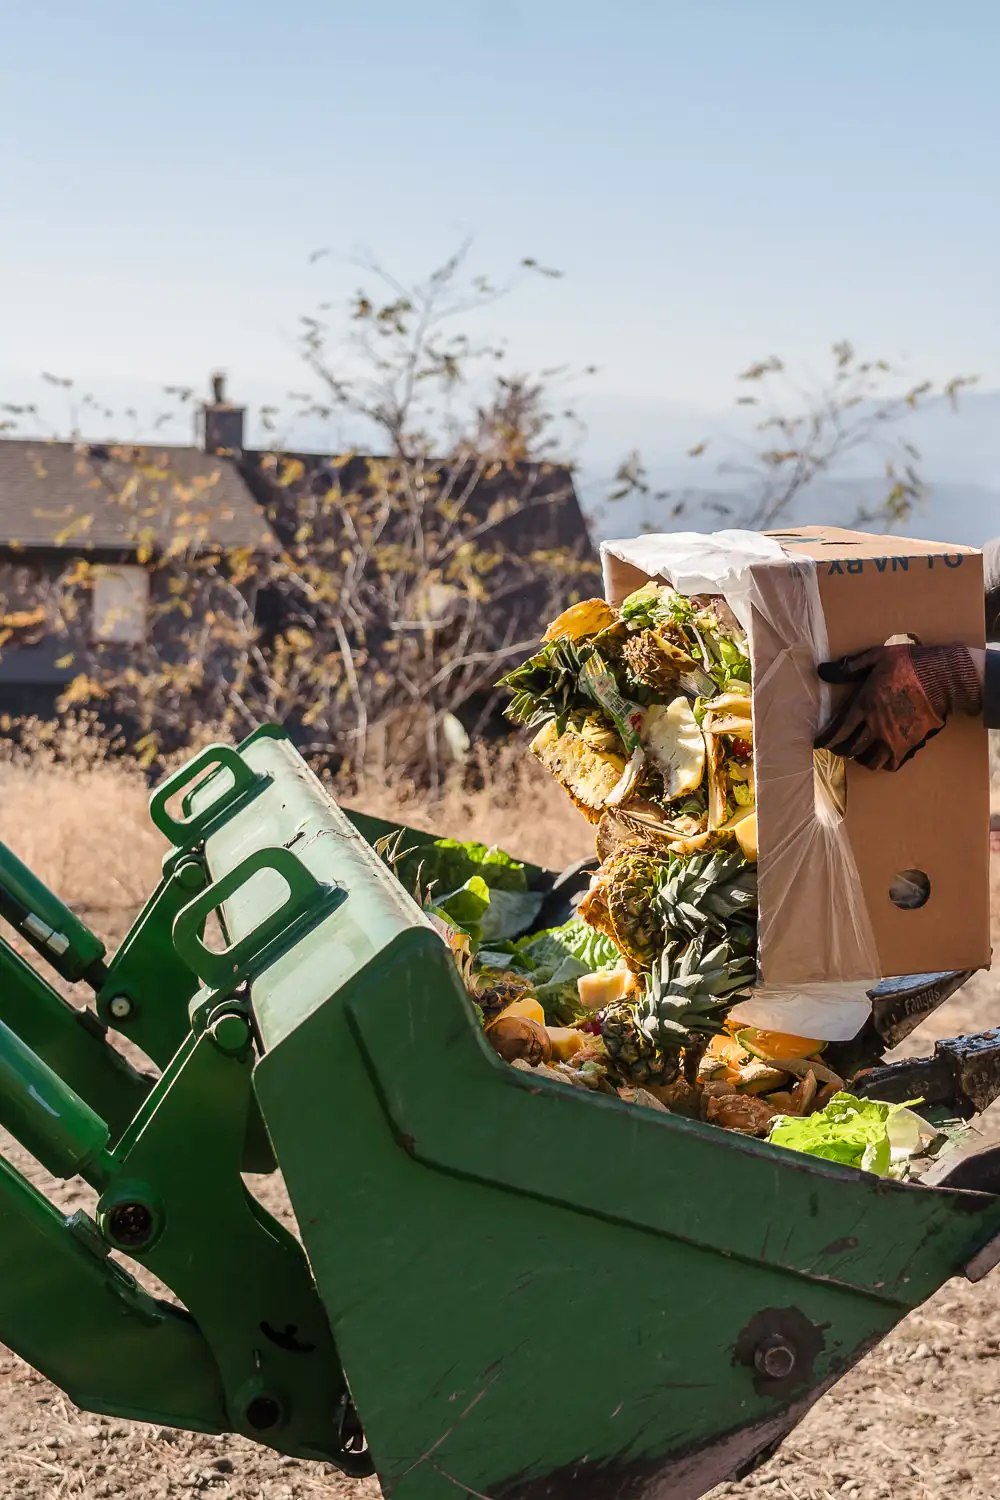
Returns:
(221, 422)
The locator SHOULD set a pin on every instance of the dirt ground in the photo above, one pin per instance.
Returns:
(918, 1419)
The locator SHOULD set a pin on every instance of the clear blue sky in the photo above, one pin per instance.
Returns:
(718, 179)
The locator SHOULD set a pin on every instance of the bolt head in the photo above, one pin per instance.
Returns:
(775, 1357)
(231, 1033)
(190, 875)
(120, 1007)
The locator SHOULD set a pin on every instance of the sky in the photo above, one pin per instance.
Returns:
(717, 180)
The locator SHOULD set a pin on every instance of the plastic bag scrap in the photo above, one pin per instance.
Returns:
(816, 949)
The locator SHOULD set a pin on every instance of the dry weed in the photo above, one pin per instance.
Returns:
(78, 820)
(504, 798)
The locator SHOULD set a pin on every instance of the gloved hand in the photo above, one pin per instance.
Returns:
(905, 695)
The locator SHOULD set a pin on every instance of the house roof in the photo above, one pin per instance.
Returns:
(524, 504)
(521, 520)
(118, 497)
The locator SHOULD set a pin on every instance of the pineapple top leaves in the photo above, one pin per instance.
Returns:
(549, 685)
(713, 892)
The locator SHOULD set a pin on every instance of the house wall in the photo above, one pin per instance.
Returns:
(37, 662)
(31, 676)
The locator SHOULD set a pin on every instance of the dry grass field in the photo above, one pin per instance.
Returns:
(919, 1419)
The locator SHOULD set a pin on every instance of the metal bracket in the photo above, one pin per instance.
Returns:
(174, 1201)
(307, 902)
(194, 827)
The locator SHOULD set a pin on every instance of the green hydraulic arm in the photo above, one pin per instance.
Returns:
(251, 1351)
(71, 1039)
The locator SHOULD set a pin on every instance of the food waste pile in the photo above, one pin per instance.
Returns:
(644, 715)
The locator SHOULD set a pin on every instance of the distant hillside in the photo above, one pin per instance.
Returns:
(959, 461)
(965, 513)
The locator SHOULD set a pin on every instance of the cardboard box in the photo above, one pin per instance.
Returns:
(830, 887)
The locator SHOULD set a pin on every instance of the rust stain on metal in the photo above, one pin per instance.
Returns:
(794, 1329)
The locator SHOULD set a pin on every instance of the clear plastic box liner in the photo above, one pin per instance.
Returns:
(817, 956)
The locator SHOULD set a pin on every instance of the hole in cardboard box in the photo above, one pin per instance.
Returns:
(910, 890)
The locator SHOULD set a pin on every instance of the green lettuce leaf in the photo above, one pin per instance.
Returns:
(559, 996)
(653, 604)
(446, 864)
(510, 913)
(543, 952)
(465, 907)
(490, 916)
(855, 1132)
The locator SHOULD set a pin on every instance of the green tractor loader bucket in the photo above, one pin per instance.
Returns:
(504, 1286)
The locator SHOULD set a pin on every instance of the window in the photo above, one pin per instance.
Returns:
(120, 600)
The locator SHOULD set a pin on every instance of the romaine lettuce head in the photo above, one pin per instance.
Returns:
(488, 915)
(465, 907)
(855, 1132)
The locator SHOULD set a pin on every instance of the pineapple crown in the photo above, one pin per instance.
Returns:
(690, 991)
(547, 685)
(715, 891)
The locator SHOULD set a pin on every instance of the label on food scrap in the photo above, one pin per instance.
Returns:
(598, 682)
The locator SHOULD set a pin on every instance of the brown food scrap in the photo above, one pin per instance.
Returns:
(560, 1072)
(593, 908)
(680, 1097)
(718, 1088)
(800, 1066)
(825, 1094)
(758, 1077)
(519, 1037)
(643, 1097)
(742, 1112)
(593, 1050)
(804, 1094)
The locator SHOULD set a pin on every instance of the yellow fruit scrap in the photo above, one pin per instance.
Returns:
(739, 725)
(526, 1006)
(727, 1051)
(676, 746)
(589, 617)
(778, 1046)
(604, 988)
(746, 837)
(732, 701)
(588, 775)
(716, 782)
(565, 1042)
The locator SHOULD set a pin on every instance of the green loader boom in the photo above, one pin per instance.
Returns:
(500, 1285)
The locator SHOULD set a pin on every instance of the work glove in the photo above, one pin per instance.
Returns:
(904, 695)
